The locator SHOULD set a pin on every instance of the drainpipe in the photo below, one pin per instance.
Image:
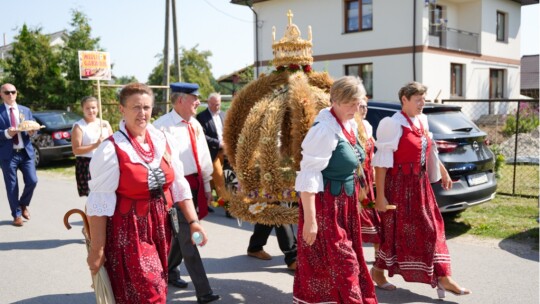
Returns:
(414, 42)
(256, 38)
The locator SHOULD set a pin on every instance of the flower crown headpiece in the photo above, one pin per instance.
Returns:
(292, 50)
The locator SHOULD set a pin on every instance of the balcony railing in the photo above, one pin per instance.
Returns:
(456, 40)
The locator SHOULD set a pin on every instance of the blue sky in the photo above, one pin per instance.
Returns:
(133, 30)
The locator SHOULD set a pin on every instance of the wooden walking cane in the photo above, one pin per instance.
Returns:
(83, 216)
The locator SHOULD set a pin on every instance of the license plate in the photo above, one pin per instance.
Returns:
(477, 179)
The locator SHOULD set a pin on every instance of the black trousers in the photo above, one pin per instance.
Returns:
(183, 249)
(286, 240)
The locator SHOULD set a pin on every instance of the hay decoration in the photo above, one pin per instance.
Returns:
(306, 101)
(270, 161)
(322, 81)
(248, 176)
(266, 170)
(242, 104)
(264, 129)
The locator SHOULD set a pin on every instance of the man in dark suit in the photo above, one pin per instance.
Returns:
(16, 153)
(211, 120)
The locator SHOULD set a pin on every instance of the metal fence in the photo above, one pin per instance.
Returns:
(512, 127)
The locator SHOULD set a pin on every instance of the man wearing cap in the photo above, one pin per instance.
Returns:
(195, 156)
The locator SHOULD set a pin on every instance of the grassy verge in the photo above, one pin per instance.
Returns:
(527, 179)
(63, 168)
(505, 217)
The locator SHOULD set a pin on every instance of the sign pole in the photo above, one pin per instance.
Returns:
(100, 112)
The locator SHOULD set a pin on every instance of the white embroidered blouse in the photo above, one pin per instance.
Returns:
(105, 171)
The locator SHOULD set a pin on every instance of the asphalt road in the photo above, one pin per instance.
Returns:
(44, 263)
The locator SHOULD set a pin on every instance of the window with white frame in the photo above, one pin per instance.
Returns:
(365, 72)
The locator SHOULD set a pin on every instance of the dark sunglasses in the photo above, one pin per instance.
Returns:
(10, 92)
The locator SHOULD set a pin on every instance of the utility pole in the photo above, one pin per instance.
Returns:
(166, 79)
(177, 69)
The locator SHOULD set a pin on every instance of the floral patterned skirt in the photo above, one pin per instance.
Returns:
(413, 241)
(333, 269)
(370, 220)
(82, 174)
(138, 238)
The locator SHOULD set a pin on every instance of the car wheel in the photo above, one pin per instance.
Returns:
(37, 156)
(231, 182)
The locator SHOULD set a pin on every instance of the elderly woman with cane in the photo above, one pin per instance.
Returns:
(134, 183)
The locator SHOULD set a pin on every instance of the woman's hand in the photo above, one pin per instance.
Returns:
(309, 232)
(446, 180)
(98, 142)
(95, 259)
(381, 204)
(197, 227)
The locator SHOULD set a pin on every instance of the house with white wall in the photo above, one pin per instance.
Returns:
(56, 40)
(460, 49)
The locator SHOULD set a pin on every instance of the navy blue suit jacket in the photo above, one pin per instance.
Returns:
(210, 131)
(6, 145)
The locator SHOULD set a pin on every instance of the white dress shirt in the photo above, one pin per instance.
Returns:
(105, 171)
(20, 145)
(173, 124)
(219, 126)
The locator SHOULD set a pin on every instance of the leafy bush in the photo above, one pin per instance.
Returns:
(500, 160)
(528, 120)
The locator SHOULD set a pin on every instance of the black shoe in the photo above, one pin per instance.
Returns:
(178, 283)
(227, 214)
(208, 298)
(210, 210)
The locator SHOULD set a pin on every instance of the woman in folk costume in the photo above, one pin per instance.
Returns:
(331, 266)
(368, 215)
(134, 183)
(414, 243)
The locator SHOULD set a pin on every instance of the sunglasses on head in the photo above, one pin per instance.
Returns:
(10, 92)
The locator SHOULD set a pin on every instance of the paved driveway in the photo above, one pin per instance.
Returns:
(44, 263)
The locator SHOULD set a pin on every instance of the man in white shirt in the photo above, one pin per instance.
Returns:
(211, 121)
(195, 156)
(16, 153)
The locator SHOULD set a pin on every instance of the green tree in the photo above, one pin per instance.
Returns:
(195, 68)
(125, 79)
(33, 68)
(79, 39)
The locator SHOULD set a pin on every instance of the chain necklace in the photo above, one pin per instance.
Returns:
(146, 156)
